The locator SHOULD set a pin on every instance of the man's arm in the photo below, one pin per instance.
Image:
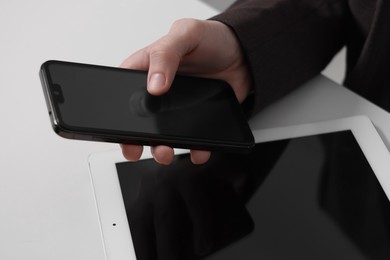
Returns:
(286, 42)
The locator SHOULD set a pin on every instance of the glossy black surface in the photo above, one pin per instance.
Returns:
(308, 198)
(106, 101)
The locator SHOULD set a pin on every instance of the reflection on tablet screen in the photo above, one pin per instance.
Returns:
(312, 197)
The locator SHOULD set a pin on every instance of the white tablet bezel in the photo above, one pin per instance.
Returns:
(111, 210)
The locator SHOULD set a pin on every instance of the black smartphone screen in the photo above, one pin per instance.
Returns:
(313, 197)
(105, 100)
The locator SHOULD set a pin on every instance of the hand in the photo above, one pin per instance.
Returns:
(193, 47)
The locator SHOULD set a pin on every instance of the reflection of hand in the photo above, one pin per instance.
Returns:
(184, 211)
(193, 47)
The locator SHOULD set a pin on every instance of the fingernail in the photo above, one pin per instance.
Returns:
(156, 82)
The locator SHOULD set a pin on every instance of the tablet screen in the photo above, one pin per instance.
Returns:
(312, 197)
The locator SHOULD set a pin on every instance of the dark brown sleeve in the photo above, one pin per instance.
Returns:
(286, 42)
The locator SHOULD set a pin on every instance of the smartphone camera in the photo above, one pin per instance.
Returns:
(57, 93)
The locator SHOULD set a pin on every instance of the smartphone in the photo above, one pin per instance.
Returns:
(99, 103)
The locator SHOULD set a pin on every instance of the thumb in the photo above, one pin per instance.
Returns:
(166, 54)
(164, 61)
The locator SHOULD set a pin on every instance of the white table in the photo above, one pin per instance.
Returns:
(46, 201)
(321, 99)
(46, 198)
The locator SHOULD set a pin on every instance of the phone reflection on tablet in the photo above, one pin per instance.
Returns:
(313, 197)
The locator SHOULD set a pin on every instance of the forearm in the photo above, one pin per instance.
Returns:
(286, 42)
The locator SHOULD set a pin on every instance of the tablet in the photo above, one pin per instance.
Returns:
(311, 191)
